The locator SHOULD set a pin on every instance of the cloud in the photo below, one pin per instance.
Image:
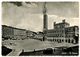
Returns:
(29, 23)
(58, 19)
(30, 5)
(21, 17)
(29, 15)
(64, 9)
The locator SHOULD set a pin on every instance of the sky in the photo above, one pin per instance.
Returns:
(29, 15)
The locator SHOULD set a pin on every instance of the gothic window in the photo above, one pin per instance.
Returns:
(62, 40)
(66, 40)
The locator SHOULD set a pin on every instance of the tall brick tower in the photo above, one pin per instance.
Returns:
(45, 21)
(45, 17)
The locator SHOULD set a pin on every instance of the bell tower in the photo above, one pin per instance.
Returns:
(45, 17)
(45, 21)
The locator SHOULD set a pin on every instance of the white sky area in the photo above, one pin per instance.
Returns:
(30, 15)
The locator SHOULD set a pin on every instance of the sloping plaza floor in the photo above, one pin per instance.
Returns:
(30, 45)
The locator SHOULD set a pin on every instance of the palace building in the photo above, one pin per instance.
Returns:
(9, 32)
(13, 33)
(63, 32)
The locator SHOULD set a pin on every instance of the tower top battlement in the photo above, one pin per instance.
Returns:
(44, 8)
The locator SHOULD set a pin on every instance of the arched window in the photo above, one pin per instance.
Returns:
(62, 40)
(72, 41)
(68, 40)
(53, 39)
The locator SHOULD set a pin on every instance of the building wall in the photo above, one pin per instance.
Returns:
(13, 33)
(61, 25)
(59, 29)
(19, 33)
(7, 31)
(30, 34)
(56, 33)
(62, 32)
(71, 31)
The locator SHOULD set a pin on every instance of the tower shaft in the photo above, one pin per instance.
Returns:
(45, 17)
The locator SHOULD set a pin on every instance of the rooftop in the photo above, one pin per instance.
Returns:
(63, 22)
(12, 27)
